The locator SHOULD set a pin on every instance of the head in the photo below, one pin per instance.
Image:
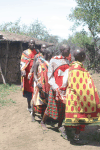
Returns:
(65, 50)
(79, 55)
(48, 54)
(32, 44)
(43, 47)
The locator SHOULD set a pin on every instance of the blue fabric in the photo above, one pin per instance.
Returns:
(28, 95)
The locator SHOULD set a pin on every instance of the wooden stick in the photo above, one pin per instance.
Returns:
(4, 82)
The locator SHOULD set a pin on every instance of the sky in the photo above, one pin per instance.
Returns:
(51, 13)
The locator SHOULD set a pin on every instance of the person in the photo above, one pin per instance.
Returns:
(82, 100)
(40, 97)
(39, 55)
(26, 63)
(57, 78)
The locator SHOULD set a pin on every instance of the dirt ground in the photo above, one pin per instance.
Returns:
(18, 132)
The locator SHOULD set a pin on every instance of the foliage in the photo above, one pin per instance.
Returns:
(6, 90)
(11, 27)
(92, 62)
(36, 29)
(81, 39)
(52, 39)
(87, 12)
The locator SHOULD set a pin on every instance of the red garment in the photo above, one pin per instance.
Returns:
(27, 62)
(58, 78)
(69, 57)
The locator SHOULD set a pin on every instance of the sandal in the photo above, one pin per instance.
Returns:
(43, 126)
(63, 132)
(77, 140)
(29, 109)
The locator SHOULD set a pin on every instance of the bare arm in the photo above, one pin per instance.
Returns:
(32, 69)
(51, 78)
(36, 70)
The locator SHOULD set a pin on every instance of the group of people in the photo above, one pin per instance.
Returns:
(59, 89)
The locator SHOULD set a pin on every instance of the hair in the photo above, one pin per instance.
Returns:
(43, 45)
(79, 55)
(64, 47)
(30, 42)
(48, 51)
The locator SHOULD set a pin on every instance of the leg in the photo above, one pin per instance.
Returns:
(78, 130)
(43, 121)
(77, 133)
(29, 104)
(60, 123)
(77, 140)
(33, 113)
(62, 130)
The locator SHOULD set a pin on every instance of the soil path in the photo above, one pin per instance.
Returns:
(17, 132)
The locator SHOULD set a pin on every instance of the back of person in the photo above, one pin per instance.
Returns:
(40, 98)
(82, 100)
(57, 71)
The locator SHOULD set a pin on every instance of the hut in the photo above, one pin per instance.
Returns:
(11, 48)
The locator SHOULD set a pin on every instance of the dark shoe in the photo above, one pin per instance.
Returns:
(63, 132)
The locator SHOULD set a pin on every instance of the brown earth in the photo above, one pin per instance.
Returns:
(17, 132)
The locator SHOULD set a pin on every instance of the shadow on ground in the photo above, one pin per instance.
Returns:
(90, 136)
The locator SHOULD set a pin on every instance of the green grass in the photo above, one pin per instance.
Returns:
(5, 90)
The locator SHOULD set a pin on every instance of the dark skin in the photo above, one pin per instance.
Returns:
(79, 55)
(43, 48)
(32, 45)
(65, 51)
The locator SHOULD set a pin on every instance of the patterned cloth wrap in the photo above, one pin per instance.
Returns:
(26, 63)
(57, 75)
(82, 100)
(40, 98)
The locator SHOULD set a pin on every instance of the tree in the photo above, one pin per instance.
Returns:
(35, 29)
(81, 38)
(52, 39)
(87, 12)
(38, 30)
(14, 27)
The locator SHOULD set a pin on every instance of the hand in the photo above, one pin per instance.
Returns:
(29, 76)
(23, 73)
(39, 85)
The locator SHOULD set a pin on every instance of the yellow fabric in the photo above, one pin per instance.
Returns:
(82, 100)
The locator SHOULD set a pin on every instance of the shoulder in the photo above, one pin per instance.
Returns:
(25, 51)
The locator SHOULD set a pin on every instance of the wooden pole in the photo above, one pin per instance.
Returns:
(4, 82)
(6, 60)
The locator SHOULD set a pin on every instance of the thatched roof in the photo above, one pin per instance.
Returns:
(8, 36)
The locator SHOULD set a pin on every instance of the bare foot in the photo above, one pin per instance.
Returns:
(33, 118)
(63, 132)
(43, 126)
